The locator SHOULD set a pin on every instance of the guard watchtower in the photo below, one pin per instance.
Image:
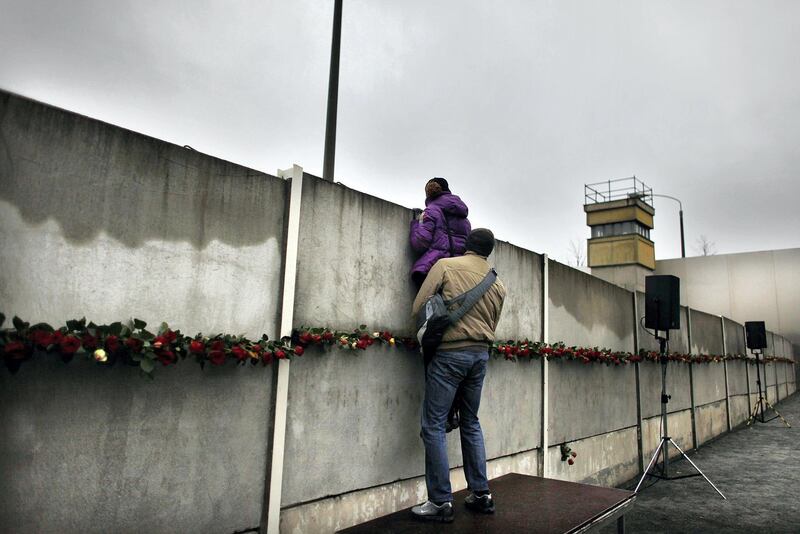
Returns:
(620, 214)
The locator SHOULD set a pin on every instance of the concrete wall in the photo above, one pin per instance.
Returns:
(522, 275)
(100, 217)
(353, 260)
(750, 286)
(361, 402)
(140, 227)
(109, 224)
(96, 449)
(587, 311)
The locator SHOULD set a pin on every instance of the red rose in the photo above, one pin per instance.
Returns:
(570, 461)
(134, 344)
(170, 336)
(197, 347)
(217, 357)
(327, 336)
(161, 341)
(89, 341)
(166, 356)
(217, 344)
(266, 357)
(299, 350)
(387, 335)
(16, 350)
(362, 344)
(305, 338)
(316, 338)
(42, 338)
(70, 344)
(280, 354)
(239, 353)
(112, 343)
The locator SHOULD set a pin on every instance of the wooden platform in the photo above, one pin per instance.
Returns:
(524, 504)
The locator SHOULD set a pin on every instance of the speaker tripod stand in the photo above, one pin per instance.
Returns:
(666, 440)
(762, 400)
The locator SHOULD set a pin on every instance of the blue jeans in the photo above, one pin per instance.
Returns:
(448, 370)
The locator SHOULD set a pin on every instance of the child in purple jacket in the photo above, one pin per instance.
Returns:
(440, 231)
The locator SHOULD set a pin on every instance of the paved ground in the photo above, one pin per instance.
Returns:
(758, 470)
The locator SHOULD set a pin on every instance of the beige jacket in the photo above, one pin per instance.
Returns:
(456, 276)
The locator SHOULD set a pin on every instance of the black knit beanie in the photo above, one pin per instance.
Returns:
(481, 241)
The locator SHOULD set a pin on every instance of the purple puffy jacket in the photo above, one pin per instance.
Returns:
(429, 237)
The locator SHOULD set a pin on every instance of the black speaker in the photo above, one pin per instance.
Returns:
(756, 335)
(662, 308)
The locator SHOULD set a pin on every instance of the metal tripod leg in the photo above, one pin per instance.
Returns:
(759, 405)
(698, 469)
(755, 411)
(652, 462)
(779, 414)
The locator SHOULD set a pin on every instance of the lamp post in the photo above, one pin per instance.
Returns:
(680, 212)
(333, 94)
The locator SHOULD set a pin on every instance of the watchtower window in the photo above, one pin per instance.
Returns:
(620, 228)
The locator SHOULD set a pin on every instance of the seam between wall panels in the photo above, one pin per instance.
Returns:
(725, 368)
(543, 468)
(691, 376)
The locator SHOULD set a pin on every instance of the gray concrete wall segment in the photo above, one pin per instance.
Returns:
(679, 339)
(711, 420)
(677, 387)
(737, 377)
(645, 338)
(355, 417)
(521, 273)
(709, 383)
(587, 311)
(354, 260)
(680, 429)
(740, 410)
(586, 400)
(185, 452)
(770, 349)
(344, 417)
(734, 337)
(706, 333)
(149, 212)
(607, 459)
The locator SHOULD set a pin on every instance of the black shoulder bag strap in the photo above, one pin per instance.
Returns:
(467, 300)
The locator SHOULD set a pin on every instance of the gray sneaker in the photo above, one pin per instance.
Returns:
(483, 504)
(431, 512)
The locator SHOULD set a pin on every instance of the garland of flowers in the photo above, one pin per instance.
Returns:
(134, 345)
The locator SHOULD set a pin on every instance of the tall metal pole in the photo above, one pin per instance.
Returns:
(333, 94)
(680, 214)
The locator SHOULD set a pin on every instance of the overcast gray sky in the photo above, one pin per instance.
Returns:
(517, 103)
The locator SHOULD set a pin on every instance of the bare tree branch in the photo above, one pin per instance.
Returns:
(577, 252)
(705, 247)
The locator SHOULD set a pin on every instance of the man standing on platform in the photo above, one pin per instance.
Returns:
(459, 361)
